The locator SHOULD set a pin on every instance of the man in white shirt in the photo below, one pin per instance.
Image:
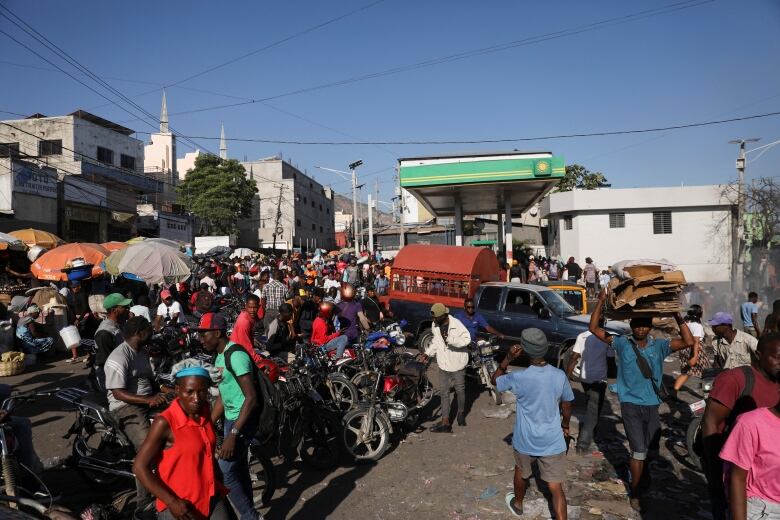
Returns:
(168, 312)
(450, 345)
(593, 377)
(208, 280)
(331, 281)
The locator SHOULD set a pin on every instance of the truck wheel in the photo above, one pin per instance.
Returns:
(424, 340)
(564, 354)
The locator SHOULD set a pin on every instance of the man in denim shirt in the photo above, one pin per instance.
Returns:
(637, 394)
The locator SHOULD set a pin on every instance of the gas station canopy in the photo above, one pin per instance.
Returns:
(482, 183)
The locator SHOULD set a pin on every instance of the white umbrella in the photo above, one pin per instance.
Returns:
(241, 252)
(11, 242)
(151, 262)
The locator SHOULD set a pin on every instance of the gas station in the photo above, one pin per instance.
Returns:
(498, 183)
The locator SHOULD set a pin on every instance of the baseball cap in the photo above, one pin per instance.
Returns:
(116, 300)
(721, 318)
(438, 310)
(212, 321)
(164, 295)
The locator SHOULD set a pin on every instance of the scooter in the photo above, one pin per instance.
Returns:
(693, 434)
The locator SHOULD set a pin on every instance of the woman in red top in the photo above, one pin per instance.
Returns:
(181, 444)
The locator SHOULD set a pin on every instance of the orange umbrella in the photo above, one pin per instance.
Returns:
(37, 237)
(114, 246)
(49, 265)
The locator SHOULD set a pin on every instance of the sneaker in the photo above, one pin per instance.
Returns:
(461, 420)
(441, 428)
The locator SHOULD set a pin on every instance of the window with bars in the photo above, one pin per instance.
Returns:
(617, 220)
(662, 222)
(127, 161)
(568, 221)
(9, 149)
(105, 155)
(50, 147)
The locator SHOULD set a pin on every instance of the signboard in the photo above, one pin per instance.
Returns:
(85, 192)
(35, 181)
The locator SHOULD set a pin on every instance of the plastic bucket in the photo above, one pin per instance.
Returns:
(70, 336)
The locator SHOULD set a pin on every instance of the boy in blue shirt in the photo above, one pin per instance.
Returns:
(749, 311)
(638, 394)
(540, 434)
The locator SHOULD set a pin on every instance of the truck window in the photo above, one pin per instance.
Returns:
(430, 285)
(489, 299)
(519, 301)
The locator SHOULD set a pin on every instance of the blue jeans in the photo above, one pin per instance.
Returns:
(338, 344)
(236, 475)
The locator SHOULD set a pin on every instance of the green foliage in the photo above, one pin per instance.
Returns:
(579, 177)
(219, 192)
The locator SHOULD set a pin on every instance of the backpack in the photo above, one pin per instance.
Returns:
(267, 395)
(203, 301)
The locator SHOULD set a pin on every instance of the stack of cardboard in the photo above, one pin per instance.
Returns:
(646, 292)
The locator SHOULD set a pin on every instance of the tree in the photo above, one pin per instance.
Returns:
(579, 177)
(218, 192)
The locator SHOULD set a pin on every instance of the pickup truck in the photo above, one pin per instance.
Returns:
(510, 308)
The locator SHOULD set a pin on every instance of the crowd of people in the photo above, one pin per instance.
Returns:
(328, 300)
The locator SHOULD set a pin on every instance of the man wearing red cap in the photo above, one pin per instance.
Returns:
(168, 312)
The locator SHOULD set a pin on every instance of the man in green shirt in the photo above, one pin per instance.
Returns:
(238, 403)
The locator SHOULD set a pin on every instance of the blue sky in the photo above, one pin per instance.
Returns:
(711, 61)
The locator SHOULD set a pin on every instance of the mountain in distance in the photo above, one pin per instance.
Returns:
(343, 203)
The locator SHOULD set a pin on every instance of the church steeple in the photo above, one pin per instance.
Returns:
(222, 144)
(164, 116)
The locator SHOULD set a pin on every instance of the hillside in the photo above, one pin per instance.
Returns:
(344, 203)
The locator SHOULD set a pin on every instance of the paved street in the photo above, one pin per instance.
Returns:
(464, 475)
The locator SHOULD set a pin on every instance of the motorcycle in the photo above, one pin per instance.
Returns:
(14, 473)
(331, 384)
(401, 389)
(693, 434)
(483, 364)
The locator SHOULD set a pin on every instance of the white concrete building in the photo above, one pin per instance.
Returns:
(160, 153)
(297, 207)
(100, 166)
(690, 226)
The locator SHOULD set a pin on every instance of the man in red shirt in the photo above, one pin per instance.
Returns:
(323, 334)
(244, 329)
(733, 394)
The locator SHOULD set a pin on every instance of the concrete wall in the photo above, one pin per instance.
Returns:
(160, 158)
(700, 242)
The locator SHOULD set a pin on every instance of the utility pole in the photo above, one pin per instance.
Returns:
(400, 210)
(352, 168)
(738, 238)
(370, 225)
(277, 228)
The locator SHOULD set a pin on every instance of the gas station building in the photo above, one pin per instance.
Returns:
(498, 183)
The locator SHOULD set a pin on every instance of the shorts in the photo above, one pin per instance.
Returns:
(552, 468)
(641, 423)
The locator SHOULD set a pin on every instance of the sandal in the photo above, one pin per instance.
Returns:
(510, 503)
(72, 360)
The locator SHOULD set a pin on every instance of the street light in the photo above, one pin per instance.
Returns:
(352, 167)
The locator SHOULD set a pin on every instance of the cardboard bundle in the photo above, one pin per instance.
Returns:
(646, 292)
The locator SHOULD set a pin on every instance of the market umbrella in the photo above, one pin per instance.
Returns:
(163, 241)
(114, 246)
(38, 237)
(50, 264)
(11, 242)
(241, 252)
(149, 261)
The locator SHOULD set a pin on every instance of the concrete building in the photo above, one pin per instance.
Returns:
(690, 226)
(298, 209)
(160, 153)
(78, 175)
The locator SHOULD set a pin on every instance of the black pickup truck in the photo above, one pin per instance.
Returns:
(510, 308)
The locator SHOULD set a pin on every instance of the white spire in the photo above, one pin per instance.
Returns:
(222, 144)
(164, 117)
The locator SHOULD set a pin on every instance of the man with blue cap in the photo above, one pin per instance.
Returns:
(541, 433)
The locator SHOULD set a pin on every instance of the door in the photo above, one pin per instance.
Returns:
(521, 310)
(489, 305)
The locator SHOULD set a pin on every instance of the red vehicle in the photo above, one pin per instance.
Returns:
(426, 274)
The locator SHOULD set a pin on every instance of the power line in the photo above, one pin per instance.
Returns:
(500, 140)
(532, 40)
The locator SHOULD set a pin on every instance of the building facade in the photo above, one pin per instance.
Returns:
(691, 227)
(289, 204)
(77, 175)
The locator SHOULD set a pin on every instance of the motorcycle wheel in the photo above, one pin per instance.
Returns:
(101, 444)
(424, 391)
(342, 392)
(263, 475)
(364, 382)
(371, 448)
(424, 340)
(693, 441)
(320, 442)
(495, 396)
